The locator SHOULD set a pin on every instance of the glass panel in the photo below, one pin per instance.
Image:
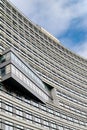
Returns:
(3, 71)
(37, 119)
(20, 127)
(27, 70)
(2, 59)
(60, 128)
(8, 126)
(45, 122)
(24, 79)
(19, 113)
(5, 57)
(28, 116)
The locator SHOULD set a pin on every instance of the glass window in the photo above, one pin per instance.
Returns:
(45, 122)
(8, 5)
(60, 128)
(57, 113)
(53, 125)
(19, 113)
(14, 24)
(8, 126)
(2, 6)
(28, 116)
(30, 25)
(2, 59)
(75, 120)
(14, 11)
(8, 108)
(19, 127)
(43, 107)
(37, 119)
(50, 111)
(35, 104)
(20, 16)
(3, 71)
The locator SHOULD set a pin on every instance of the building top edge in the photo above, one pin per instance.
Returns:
(50, 35)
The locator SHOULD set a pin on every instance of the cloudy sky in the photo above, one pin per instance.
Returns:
(65, 19)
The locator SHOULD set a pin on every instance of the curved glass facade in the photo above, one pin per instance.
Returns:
(59, 73)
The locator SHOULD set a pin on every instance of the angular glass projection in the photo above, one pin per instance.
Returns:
(13, 68)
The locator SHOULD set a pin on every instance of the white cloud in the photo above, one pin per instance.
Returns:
(82, 49)
(68, 43)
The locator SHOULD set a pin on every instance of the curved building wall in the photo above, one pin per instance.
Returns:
(61, 69)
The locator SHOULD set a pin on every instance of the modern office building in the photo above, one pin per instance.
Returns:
(43, 85)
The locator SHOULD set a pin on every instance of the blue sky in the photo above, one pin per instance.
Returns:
(65, 19)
